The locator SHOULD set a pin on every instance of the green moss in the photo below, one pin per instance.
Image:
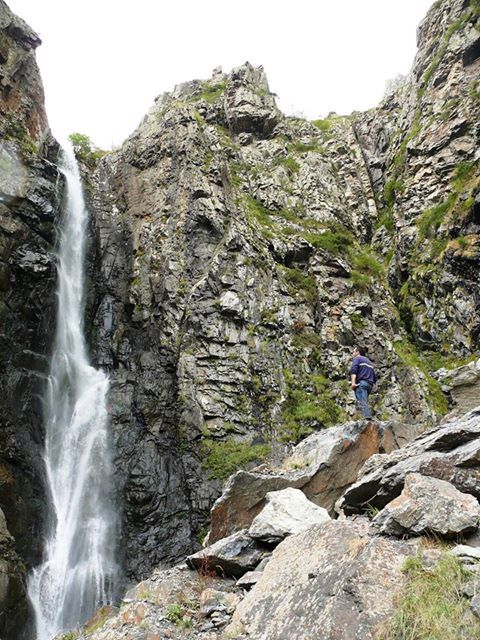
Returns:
(289, 163)
(431, 219)
(300, 282)
(224, 457)
(212, 92)
(309, 406)
(432, 605)
(16, 131)
(324, 124)
(305, 147)
(412, 358)
(358, 321)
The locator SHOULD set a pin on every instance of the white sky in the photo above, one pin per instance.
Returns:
(104, 61)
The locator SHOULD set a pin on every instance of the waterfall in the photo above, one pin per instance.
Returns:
(78, 572)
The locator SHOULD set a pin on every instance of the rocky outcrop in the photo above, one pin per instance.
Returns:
(322, 466)
(430, 506)
(345, 585)
(239, 254)
(449, 452)
(28, 208)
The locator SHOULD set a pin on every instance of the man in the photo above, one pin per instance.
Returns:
(362, 379)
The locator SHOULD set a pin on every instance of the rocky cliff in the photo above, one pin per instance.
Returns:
(241, 253)
(28, 207)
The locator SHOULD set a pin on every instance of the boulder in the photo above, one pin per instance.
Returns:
(429, 505)
(334, 577)
(287, 511)
(449, 452)
(322, 466)
(232, 556)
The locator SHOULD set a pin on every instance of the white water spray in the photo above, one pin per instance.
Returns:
(79, 571)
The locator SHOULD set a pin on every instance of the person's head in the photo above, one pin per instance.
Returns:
(358, 351)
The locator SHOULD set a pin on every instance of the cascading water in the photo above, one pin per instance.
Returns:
(79, 570)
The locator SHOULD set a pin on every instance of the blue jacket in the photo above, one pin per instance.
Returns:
(362, 367)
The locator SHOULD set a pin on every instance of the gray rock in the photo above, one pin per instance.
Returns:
(475, 605)
(232, 556)
(466, 552)
(249, 579)
(428, 505)
(449, 452)
(321, 466)
(333, 577)
(287, 511)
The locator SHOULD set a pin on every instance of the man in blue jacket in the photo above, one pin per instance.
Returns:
(362, 379)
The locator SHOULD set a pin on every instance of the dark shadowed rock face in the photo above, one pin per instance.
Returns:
(28, 208)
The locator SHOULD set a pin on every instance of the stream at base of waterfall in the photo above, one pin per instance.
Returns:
(79, 571)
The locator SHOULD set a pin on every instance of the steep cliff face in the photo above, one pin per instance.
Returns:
(240, 254)
(28, 205)
(421, 147)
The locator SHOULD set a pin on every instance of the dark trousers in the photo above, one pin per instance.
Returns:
(361, 393)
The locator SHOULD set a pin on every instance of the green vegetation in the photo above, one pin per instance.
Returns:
(365, 262)
(303, 147)
(392, 187)
(413, 358)
(17, 131)
(309, 406)
(177, 614)
(436, 360)
(360, 280)
(222, 458)
(289, 163)
(300, 282)
(211, 92)
(85, 151)
(336, 240)
(432, 605)
(324, 124)
(431, 219)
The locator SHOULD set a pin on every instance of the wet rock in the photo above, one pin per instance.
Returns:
(428, 505)
(448, 452)
(232, 556)
(345, 585)
(287, 511)
(321, 466)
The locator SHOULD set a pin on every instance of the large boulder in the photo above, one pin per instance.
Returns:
(286, 512)
(322, 466)
(449, 452)
(232, 556)
(332, 577)
(429, 505)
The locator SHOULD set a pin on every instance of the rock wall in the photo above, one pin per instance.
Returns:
(239, 254)
(28, 206)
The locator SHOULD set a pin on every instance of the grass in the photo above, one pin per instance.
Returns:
(432, 605)
(222, 458)
(366, 263)
(333, 240)
(289, 163)
(309, 406)
(259, 212)
(431, 219)
(360, 280)
(324, 124)
(300, 282)
(305, 147)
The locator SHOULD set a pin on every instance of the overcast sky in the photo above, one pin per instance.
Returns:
(104, 61)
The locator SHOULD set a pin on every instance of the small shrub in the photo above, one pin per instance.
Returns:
(365, 262)
(85, 151)
(335, 241)
(300, 282)
(431, 219)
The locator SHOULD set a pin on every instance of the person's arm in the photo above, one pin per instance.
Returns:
(353, 373)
